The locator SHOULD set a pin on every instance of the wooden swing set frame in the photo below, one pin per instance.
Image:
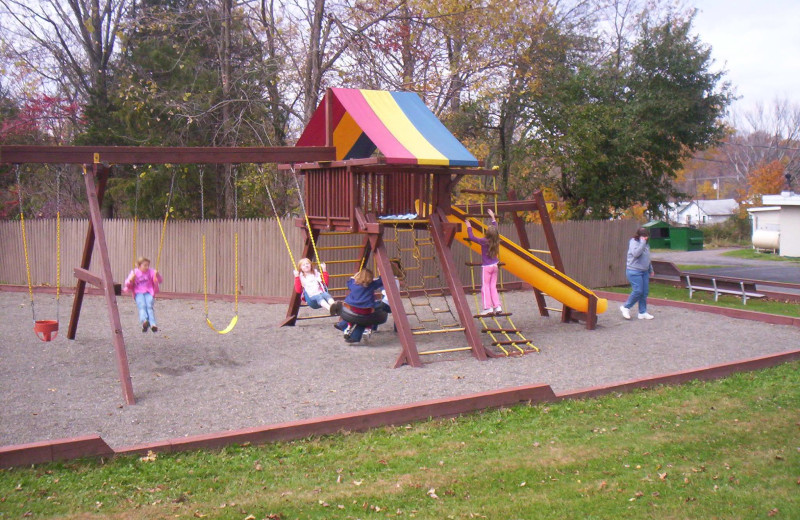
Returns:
(97, 162)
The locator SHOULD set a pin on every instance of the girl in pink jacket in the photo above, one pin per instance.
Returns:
(143, 283)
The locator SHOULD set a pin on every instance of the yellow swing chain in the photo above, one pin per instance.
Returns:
(25, 241)
(308, 223)
(235, 318)
(58, 244)
(136, 217)
(278, 219)
(166, 217)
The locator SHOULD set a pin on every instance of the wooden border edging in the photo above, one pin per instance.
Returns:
(51, 451)
(356, 421)
(675, 378)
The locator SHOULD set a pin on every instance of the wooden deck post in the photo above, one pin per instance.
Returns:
(409, 354)
(525, 242)
(108, 284)
(450, 273)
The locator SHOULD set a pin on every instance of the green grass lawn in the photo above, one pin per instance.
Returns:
(756, 255)
(722, 449)
(668, 292)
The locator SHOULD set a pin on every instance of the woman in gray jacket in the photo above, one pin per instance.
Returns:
(638, 270)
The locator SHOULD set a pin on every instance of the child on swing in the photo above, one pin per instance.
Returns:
(360, 300)
(490, 250)
(313, 285)
(143, 283)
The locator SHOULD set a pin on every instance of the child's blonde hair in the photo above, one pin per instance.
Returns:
(300, 262)
(141, 260)
(364, 277)
(493, 237)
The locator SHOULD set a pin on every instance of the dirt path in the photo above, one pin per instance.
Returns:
(189, 380)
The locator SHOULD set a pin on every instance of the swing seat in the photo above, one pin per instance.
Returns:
(46, 330)
(377, 317)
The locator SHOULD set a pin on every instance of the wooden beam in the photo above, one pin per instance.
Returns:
(108, 286)
(13, 154)
(86, 257)
(450, 273)
(506, 206)
(409, 354)
(87, 276)
(525, 242)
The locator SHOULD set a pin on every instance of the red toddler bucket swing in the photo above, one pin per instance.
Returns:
(45, 330)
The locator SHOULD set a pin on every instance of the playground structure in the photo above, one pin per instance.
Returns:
(348, 190)
(409, 185)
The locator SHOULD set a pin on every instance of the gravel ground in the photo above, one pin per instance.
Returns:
(189, 380)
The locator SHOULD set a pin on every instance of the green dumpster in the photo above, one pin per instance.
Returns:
(659, 234)
(686, 239)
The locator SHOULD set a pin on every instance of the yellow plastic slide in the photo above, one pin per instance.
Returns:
(524, 265)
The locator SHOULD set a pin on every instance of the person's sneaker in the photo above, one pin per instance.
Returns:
(145, 326)
(154, 328)
(646, 316)
(498, 310)
(626, 313)
(336, 307)
(367, 334)
(487, 312)
(348, 331)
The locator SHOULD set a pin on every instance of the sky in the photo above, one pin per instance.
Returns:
(758, 43)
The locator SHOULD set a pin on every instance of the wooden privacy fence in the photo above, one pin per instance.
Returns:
(593, 252)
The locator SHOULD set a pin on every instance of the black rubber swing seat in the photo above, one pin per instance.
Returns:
(377, 317)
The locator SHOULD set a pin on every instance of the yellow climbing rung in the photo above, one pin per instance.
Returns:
(353, 261)
(554, 309)
(335, 248)
(543, 251)
(445, 350)
(340, 275)
(439, 331)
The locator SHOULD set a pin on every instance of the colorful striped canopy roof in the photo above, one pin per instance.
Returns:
(398, 124)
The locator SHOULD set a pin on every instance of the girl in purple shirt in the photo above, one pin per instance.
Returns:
(490, 250)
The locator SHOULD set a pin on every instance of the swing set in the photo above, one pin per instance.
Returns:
(97, 163)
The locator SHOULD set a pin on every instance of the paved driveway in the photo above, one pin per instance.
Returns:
(770, 270)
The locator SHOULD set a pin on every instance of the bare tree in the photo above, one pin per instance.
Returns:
(68, 43)
(765, 135)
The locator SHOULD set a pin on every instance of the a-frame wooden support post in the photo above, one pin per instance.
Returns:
(409, 354)
(552, 244)
(450, 273)
(95, 233)
(522, 234)
(86, 257)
